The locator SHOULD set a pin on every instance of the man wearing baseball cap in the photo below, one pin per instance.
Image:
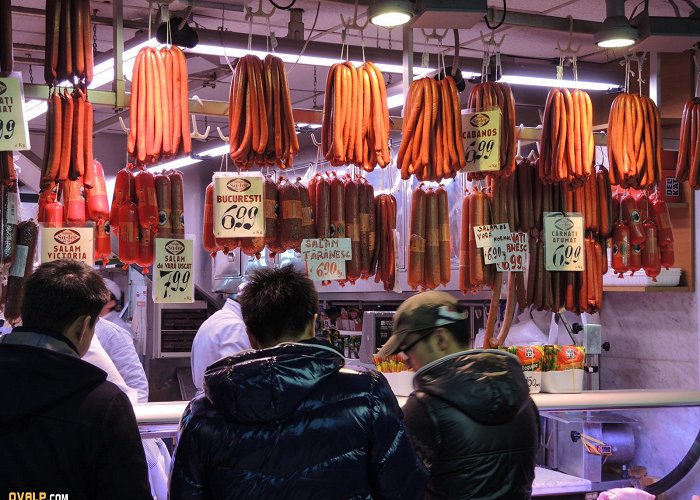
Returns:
(470, 417)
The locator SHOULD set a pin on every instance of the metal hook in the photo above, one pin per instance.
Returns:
(518, 156)
(568, 49)
(492, 39)
(196, 134)
(313, 139)
(434, 34)
(249, 14)
(353, 25)
(123, 125)
(221, 135)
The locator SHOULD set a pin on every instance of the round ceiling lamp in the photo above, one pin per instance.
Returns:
(616, 30)
(390, 13)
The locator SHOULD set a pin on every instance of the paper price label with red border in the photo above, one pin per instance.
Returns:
(238, 205)
(325, 257)
(76, 243)
(481, 140)
(516, 253)
(14, 131)
(563, 242)
(173, 271)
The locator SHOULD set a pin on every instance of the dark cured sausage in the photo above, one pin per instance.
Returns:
(464, 279)
(208, 239)
(290, 214)
(431, 274)
(630, 214)
(9, 204)
(366, 196)
(27, 232)
(144, 258)
(147, 203)
(164, 200)
(621, 248)
(444, 235)
(322, 208)
(662, 219)
(177, 215)
(352, 228)
(74, 203)
(337, 211)
(307, 214)
(271, 210)
(416, 256)
(123, 192)
(128, 233)
(651, 260)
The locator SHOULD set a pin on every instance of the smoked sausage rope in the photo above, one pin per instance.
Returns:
(159, 125)
(688, 163)
(68, 42)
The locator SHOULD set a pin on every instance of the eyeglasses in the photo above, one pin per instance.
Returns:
(410, 346)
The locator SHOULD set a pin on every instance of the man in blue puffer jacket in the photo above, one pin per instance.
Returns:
(287, 420)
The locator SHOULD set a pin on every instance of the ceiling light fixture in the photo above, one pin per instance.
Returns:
(616, 30)
(390, 13)
(190, 160)
(554, 83)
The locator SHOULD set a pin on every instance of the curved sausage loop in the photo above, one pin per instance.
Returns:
(196, 134)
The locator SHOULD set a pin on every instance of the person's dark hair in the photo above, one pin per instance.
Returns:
(277, 303)
(59, 292)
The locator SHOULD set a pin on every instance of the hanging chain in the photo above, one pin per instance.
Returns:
(94, 35)
(315, 89)
(31, 71)
(390, 30)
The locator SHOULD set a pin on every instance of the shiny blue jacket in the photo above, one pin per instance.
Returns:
(291, 422)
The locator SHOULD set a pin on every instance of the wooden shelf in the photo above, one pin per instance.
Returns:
(646, 289)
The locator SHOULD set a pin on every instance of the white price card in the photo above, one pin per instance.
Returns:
(14, 132)
(563, 242)
(488, 236)
(75, 243)
(496, 253)
(238, 205)
(481, 140)
(325, 257)
(516, 253)
(173, 280)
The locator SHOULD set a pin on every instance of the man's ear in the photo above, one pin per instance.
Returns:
(443, 339)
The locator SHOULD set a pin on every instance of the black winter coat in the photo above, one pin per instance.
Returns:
(291, 422)
(474, 424)
(63, 428)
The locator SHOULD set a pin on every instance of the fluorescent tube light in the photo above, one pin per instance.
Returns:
(189, 160)
(34, 108)
(553, 82)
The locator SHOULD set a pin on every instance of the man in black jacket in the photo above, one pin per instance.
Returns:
(64, 429)
(287, 420)
(470, 417)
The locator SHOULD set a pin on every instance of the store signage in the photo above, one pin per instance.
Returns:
(173, 277)
(491, 235)
(238, 205)
(75, 243)
(516, 253)
(481, 140)
(14, 132)
(563, 242)
(325, 257)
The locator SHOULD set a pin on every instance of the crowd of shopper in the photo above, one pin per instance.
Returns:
(279, 416)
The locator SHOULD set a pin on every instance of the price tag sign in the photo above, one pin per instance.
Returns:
(489, 236)
(325, 257)
(14, 132)
(563, 242)
(495, 254)
(516, 253)
(481, 140)
(76, 243)
(173, 280)
(238, 205)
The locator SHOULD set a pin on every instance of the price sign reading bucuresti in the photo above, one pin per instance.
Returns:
(516, 253)
(481, 140)
(563, 242)
(325, 257)
(173, 279)
(238, 205)
(14, 133)
(75, 243)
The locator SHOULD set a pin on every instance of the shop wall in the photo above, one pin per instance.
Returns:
(654, 345)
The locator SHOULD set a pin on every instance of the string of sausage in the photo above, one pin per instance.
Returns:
(159, 120)
(688, 163)
(429, 241)
(432, 131)
(634, 142)
(68, 42)
(567, 147)
(356, 126)
(261, 125)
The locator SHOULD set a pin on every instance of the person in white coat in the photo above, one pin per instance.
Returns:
(119, 345)
(222, 334)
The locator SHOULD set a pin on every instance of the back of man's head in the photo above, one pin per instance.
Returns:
(59, 292)
(277, 305)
